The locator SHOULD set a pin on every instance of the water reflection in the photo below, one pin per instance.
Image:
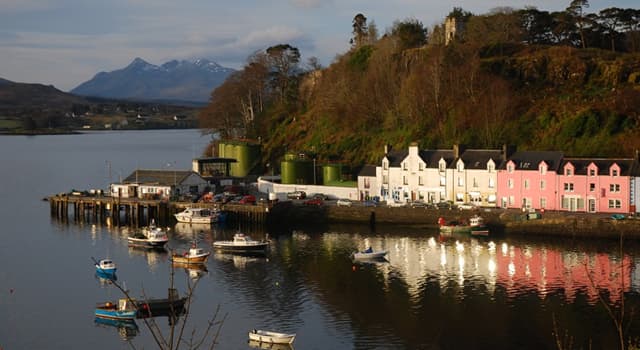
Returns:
(241, 260)
(271, 346)
(155, 257)
(127, 329)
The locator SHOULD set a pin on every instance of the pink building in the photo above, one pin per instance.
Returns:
(596, 185)
(529, 180)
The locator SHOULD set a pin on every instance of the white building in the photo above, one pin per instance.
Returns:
(159, 184)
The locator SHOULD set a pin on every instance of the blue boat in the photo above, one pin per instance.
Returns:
(124, 310)
(105, 267)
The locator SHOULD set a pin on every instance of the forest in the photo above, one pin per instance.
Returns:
(538, 80)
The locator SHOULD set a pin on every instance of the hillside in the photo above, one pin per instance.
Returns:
(482, 90)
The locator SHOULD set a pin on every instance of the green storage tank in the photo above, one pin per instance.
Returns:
(296, 171)
(247, 156)
(288, 171)
(331, 172)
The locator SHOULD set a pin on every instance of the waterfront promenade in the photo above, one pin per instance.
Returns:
(138, 212)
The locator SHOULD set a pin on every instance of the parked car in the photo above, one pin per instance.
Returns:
(314, 201)
(248, 199)
(297, 195)
(370, 203)
(466, 206)
(418, 204)
(344, 202)
(444, 205)
(396, 204)
(324, 197)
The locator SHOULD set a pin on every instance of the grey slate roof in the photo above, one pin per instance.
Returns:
(368, 170)
(396, 157)
(158, 177)
(478, 158)
(627, 165)
(432, 157)
(529, 160)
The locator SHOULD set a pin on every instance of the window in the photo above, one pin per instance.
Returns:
(511, 200)
(568, 171)
(592, 187)
(420, 166)
(491, 167)
(543, 169)
(460, 166)
(460, 181)
(420, 182)
(510, 183)
(510, 168)
(615, 204)
(475, 182)
(405, 181)
(492, 182)
(568, 187)
(543, 184)
(404, 166)
(592, 172)
(614, 188)
(441, 166)
(614, 172)
(459, 197)
(526, 184)
(543, 202)
(443, 180)
(385, 179)
(385, 165)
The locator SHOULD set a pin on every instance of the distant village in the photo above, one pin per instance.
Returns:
(457, 177)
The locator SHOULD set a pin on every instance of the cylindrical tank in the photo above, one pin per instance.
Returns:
(331, 172)
(288, 171)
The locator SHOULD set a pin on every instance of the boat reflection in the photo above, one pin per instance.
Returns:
(105, 280)
(127, 329)
(242, 260)
(272, 346)
(194, 271)
(154, 256)
(186, 230)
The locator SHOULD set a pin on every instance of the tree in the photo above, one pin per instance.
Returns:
(360, 31)
(611, 19)
(410, 33)
(536, 26)
(575, 9)
(283, 62)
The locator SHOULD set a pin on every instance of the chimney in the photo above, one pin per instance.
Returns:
(507, 151)
(458, 150)
(387, 149)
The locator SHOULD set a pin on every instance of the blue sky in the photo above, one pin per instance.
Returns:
(66, 42)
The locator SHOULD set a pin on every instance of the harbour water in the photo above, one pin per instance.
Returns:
(431, 292)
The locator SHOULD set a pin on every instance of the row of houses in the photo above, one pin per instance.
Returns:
(505, 178)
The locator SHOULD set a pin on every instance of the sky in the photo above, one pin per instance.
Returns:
(66, 42)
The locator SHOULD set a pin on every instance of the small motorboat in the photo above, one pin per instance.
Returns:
(105, 267)
(271, 337)
(198, 216)
(123, 310)
(369, 253)
(241, 243)
(149, 237)
(478, 227)
(195, 255)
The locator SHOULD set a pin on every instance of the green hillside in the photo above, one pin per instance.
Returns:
(494, 84)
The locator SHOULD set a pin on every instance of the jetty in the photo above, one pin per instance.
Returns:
(139, 212)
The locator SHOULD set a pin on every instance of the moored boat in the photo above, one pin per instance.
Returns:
(123, 310)
(105, 267)
(478, 227)
(149, 237)
(198, 216)
(271, 337)
(451, 227)
(195, 255)
(241, 243)
(173, 305)
(369, 253)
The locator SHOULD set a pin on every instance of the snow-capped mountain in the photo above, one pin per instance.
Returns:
(174, 80)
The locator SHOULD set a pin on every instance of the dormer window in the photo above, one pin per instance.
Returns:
(491, 167)
(442, 166)
(592, 172)
(404, 166)
(510, 168)
(460, 166)
(420, 166)
(385, 165)
(543, 169)
(568, 171)
(614, 172)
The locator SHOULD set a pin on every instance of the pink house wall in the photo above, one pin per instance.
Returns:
(600, 193)
(535, 191)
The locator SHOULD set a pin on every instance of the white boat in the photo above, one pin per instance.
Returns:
(241, 243)
(370, 254)
(271, 337)
(195, 255)
(198, 216)
(105, 267)
(478, 227)
(149, 237)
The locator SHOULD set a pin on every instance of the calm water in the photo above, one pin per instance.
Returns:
(432, 293)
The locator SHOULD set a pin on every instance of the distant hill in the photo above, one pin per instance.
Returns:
(174, 80)
(34, 96)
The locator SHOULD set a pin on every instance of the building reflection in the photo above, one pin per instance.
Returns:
(519, 269)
